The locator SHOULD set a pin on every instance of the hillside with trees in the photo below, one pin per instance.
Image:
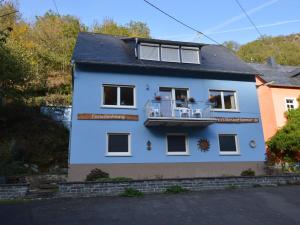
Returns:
(285, 49)
(35, 70)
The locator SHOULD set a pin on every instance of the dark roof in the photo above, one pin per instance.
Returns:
(280, 75)
(115, 51)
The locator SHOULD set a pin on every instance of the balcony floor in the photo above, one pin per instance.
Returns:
(184, 122)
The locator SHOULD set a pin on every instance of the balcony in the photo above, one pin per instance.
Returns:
(178, 113)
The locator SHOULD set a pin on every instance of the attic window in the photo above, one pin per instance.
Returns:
(190, 55)
(169, 53)
(149, 51)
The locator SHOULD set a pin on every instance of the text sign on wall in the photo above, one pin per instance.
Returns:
(89, 116)
(236, 120)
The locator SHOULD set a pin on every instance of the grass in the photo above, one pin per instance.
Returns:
(13, 201)
(175, 189)
(131, 192)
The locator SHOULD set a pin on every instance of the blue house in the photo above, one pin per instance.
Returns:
(147, 108)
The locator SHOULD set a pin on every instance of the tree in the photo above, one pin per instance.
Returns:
(232, 45)
(284, 146)
(132, 29)
(285, 50)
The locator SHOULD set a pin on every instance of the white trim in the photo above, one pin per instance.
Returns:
(295, 102)
(118, 86)
(237, 145)
(118, 153)
(186, 153)
(223, 103)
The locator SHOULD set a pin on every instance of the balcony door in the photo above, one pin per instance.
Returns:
(166, 106)
(172, 98)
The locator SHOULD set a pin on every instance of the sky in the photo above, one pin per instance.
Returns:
(221, 20)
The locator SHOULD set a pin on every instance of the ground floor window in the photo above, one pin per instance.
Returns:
(118, 144)
(177, 144)
(228, 144)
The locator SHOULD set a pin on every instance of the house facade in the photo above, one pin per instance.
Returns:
(278, 89)
(145, 108)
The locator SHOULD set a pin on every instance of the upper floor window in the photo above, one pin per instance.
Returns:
(118, 96)
(190, 55)
(169, 53)
(223, 100)
(149, 51)
(290, 103)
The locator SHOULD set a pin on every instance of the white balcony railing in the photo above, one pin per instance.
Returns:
(172, 109)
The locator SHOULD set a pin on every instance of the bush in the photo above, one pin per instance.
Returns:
(131, 192)
(96, 174)
(175, 189)
(248, 173)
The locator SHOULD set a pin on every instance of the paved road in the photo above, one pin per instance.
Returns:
(257, 206)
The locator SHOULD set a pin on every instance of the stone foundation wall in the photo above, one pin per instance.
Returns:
(13, 191)
(157, 186)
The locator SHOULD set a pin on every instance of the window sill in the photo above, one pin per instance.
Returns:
(225, 110)
(230, 154)
(118, 107)
(118, 155)
(178, 154)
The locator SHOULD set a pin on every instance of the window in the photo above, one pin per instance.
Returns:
(177, 144)
(118, 144)
(190, 55)
(181, 97)
(290, 103)
(170, 53)
(228, 144)
(223, 100)
(119, 96)
(149, 51)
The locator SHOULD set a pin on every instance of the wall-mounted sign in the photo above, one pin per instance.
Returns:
(89, 116)
(236, 120)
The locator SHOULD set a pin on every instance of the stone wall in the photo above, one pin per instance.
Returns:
(13, 191)
(157, 186)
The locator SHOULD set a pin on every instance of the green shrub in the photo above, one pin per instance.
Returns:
(96, 174)
(175, 189)
(131, 192)
(231, 187)
(248, 173)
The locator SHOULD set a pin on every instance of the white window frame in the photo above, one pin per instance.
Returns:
(119, 96)
(190, 48)
(295, 102)
(186, 145)
(223, 103)
(149, 45)
(177, 47)
(237, 145)
(118, 153)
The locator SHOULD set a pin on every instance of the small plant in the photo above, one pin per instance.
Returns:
(96, 174)
(175, 189)
(157, 98)
(248, 173)
(231, 187)
(192, 100)
(131, 192)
